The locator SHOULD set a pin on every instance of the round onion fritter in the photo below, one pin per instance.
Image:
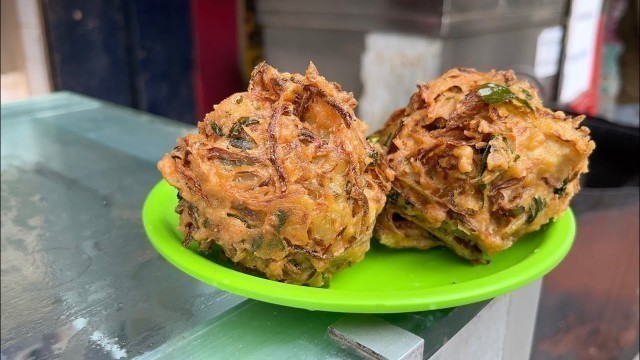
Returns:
(478, 162)
(281, 177)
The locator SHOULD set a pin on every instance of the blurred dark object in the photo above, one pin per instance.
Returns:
(628, 29)
(589, 303)
(217, 64)
(88, 48)
(135, 53)
(614, 162)
(251, 39)
(161, 54)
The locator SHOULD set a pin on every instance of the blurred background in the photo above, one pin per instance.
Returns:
(178, 58)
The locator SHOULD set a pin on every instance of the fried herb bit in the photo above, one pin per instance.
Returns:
(483, 162)
(239, 100)
(527, 94)
(492, 93)
(517, 211)
(238, 137)
(407, 204)
(537, 205)
(188, 240)
(375, 158)
(245, 222)
(374, 139)
(387, 141)
(306, 136)
(256, 243)
(562, 189)
(229, 158)
(393, 196)
(525, 103)
(217, 129)
(236, 162)
(282, 217)
(241, 143)
(237, 128)
(325, 281)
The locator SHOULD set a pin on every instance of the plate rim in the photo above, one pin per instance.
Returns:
(544, 259)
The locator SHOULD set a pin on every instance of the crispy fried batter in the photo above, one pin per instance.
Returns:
(479, 162)
(282, 178)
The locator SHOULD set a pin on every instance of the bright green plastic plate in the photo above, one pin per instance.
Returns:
(386, 281)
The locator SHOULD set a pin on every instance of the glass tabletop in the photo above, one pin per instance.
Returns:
(81, 280)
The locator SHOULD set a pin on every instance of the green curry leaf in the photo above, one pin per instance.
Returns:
(492, 93)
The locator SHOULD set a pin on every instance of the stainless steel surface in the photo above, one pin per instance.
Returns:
(487, 34)
(80, 280)
(440, 18)
(358, 15)
(503, 330)
(514, 49)
(374, 338)
(470, 18)
(521, 320)
(335, 53)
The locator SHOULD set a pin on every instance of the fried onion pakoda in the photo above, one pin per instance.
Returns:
(478, 162)
(282, 178)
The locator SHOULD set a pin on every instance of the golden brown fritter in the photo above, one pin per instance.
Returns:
(479, 162)
(282, 178)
